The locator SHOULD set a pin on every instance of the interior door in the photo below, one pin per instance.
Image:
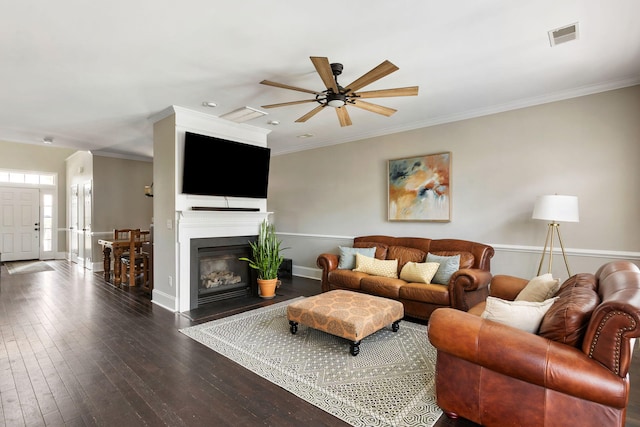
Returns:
(86, 226)
(73, 223)
(19, 223)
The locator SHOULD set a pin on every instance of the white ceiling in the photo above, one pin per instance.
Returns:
(91, 74)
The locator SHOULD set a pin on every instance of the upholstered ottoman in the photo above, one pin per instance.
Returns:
(350, 315)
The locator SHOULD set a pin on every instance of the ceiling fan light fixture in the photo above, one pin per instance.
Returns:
(336, 100)
(338, 97)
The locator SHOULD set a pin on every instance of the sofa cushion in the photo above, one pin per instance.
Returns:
(348, 256)
(381, 248)
(568, 318)
(580, 280)
(419, 272)
(404, 255)
(539, 288)
(434, 294)
(347, 279)
(377, 267)
(448, 266)
(478, 309)
(525, 315)
(466, 258)
(385, 287)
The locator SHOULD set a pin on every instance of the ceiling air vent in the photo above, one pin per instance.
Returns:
(563, 34)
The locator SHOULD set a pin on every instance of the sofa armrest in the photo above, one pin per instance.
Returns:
(468, 287)
(507, 287)
(327, 262)
(525, 356)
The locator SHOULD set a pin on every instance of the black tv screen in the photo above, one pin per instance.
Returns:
(219, 167)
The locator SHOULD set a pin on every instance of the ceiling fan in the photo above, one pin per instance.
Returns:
(340, 97)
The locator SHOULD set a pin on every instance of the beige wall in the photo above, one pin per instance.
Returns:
(587, 146)
(119, 200)
(41, 158)
(165, 251)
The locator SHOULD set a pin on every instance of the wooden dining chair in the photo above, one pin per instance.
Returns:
(136, 264)
(124, 234)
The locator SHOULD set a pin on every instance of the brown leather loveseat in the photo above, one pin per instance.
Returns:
(467, 287)
(572, 372)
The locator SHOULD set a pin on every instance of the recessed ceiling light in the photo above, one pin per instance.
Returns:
(47, 139)
(306, 135)
(209, 104)
(273, 122)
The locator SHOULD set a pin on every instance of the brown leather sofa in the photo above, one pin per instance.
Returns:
(467, 287)
(496, 375)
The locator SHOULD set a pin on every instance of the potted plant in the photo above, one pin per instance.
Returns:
(266, 259)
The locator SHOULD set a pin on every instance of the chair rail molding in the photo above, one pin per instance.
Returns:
(588, 253)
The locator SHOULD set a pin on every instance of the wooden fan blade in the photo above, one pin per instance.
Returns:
(310, 114)
(324, 70)
(377, 73)
(343, 116)
(283, 86)
(399, 91)
(284, 104)
(374, 108)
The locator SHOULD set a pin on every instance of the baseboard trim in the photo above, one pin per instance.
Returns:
(307, 272)
(164, 300)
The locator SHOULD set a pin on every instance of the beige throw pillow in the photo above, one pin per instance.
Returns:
(419, 272)
(539, 289)
(376, 267)
(525, 315)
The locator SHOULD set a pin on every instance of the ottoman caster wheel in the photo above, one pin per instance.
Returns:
(355, 348)
(395, 326)
(294, 326)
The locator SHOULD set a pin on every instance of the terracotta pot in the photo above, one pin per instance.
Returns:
(267, 288)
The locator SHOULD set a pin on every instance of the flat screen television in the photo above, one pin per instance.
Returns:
(219, 167)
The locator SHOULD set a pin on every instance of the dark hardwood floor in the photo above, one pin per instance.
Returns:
(76, 351)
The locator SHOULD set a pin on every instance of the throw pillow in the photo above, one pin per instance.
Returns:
(419, 272)
(348, 256)
(376, 267)
(466, 258)
(539, 289)
(448, 266)
(525, 315)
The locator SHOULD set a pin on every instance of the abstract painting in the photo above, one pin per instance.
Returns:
(420, 188)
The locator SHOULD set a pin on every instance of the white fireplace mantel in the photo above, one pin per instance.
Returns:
(206, 224)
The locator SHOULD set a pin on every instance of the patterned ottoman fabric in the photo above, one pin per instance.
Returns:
(347, 314)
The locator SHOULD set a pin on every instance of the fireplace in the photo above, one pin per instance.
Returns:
(217, 273)
(208, 229)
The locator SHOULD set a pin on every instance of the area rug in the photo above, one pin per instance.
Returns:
(390, 383)
(25, 267)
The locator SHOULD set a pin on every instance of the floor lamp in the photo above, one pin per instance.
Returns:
(555, 209)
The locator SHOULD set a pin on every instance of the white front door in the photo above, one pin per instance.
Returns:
(19, 223)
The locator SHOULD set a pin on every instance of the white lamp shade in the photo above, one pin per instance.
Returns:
(556, 208)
